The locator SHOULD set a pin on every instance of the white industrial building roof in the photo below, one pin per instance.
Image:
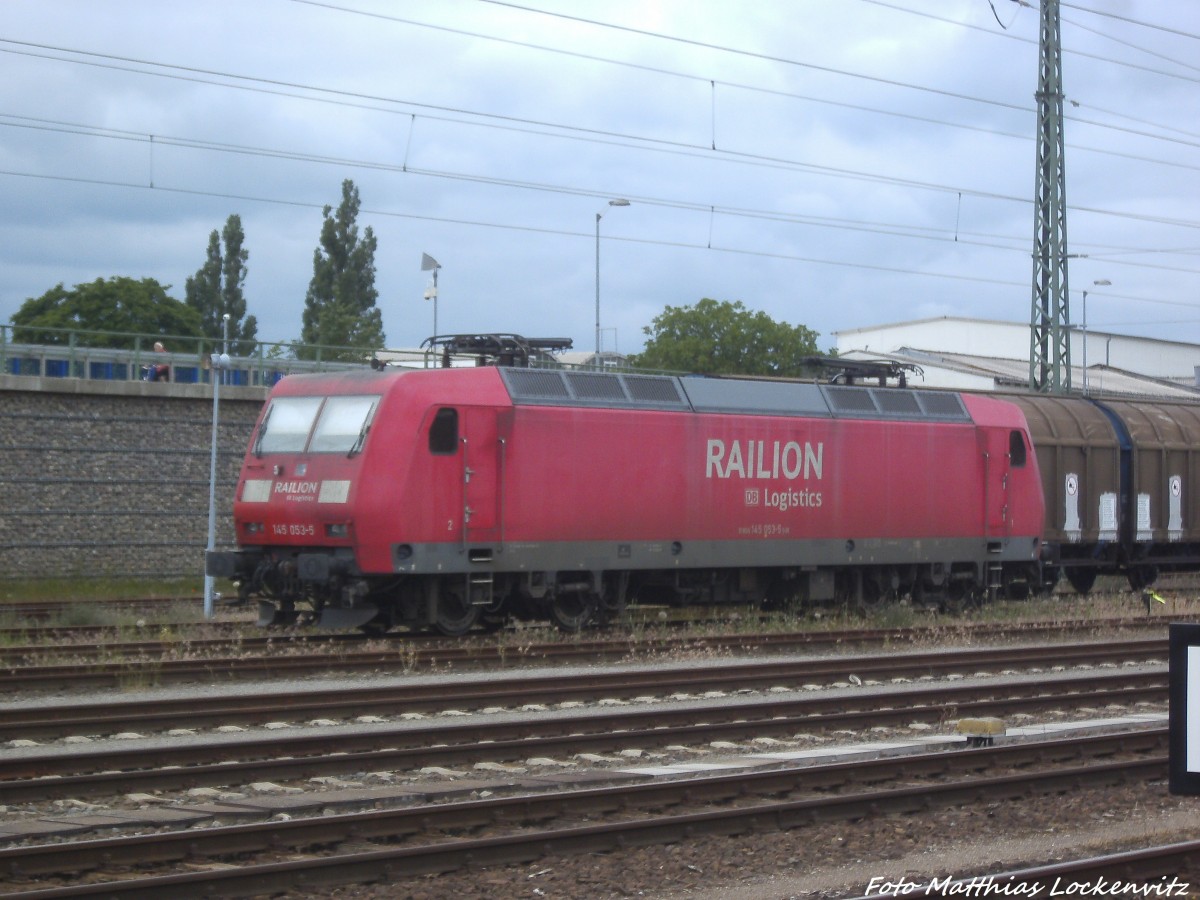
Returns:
(979, 354)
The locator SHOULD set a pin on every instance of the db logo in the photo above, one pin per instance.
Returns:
(752, 498)
(1176, 485)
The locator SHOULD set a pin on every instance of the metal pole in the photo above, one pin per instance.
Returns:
(429, 264)
(1099, 282)
(1049, 343)
(217, 374)
(1085, 384)
(617, 202)
(597, 360)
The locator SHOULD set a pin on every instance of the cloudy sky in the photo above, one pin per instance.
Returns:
(833, 163)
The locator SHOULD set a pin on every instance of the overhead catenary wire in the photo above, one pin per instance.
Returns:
(599, 135)
(660, 242)
(545, 48)
(892, 228)
(393, 105)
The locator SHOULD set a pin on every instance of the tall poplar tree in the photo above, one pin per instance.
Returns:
(339, 309)
(216, 289)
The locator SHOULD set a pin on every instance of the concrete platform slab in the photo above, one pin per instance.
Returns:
(19, 831)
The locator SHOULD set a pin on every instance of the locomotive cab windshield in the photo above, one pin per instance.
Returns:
(337, 424)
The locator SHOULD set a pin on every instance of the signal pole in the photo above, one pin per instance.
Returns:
(1049, 338)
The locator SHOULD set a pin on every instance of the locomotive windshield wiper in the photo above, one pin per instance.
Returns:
(262, 430)
(358, 443)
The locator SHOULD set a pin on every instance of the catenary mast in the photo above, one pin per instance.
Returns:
(1049, 339)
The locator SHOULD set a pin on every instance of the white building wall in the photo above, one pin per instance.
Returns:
(975, 337)
(1010, 340)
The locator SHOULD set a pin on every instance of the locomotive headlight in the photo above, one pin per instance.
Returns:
(254, 527)
(337, 530)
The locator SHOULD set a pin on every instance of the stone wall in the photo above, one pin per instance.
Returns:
(112, 479)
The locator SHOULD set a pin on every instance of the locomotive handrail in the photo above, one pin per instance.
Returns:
(500, 488)
(466, 509)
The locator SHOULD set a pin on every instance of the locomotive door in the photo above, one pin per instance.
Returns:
(997, 521)
(482, 466)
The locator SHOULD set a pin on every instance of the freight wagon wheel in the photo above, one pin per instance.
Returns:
(1081, 579)
(573, 611)
(1142, 576)
(455, 616)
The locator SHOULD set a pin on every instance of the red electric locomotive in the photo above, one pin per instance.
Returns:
(446, 498)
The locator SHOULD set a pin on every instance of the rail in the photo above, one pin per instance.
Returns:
(525, 823)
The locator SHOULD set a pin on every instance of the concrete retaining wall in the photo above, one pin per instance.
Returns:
(111, 479)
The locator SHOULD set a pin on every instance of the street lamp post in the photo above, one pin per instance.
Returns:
(217, 364)
(428, 263)
(1102, 282)
(599, 215)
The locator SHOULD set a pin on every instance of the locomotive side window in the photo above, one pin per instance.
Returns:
(1016, 449)
(343, 424)
(443, 433)
(286, 425)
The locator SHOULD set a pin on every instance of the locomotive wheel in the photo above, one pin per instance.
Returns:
(1081, 579)
(492, 622)
(610, 612)
(1050, 579)
(1017, 586)
(455, 616)
(375, 628)
(1017, 590)
(960, 599)
(573, 611)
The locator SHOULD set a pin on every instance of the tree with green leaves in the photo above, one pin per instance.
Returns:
(133, 308)
(216, 290)
(339, 309)
(723, 338)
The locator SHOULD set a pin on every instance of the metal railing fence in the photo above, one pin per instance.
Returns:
(125, 356)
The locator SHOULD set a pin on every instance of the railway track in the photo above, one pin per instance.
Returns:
(120, 664)
(54, 609)
(1158, 867)
(115, 767)
(520, 722)
(162, 712)
(397, 844)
